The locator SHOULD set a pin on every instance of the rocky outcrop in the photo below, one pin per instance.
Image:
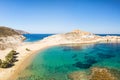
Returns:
(10, 41)
(9, 38)
(110, 39)
(96, 73)
(78, 75)
(101, 74)
(78, 36)
(75, 36)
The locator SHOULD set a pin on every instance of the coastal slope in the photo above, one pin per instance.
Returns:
(27, 50)
(9, 38)
(21, 32)
(78, 36)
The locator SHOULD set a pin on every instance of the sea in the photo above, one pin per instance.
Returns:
(58, 62)
(35, 37)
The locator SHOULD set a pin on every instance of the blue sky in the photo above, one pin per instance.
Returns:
(59, 16)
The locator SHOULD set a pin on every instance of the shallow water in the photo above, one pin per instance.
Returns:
(57, 62)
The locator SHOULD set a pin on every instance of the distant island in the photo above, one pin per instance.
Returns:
(12, 40)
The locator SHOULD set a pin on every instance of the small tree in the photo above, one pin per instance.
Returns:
(12, 52)
(27, 49)
(5, 64)
(9, 60)
(0, 62)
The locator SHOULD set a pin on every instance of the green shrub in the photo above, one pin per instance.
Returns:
(5, 64)
(9, 59)
(27, 49)
(0, 62)
(12, 52)
(11, 56)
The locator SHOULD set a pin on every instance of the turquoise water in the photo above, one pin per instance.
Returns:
(57, 62)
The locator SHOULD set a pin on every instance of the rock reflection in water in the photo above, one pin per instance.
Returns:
(67, 47)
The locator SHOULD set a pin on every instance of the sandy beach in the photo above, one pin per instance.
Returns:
(25, 56)
(56, 39)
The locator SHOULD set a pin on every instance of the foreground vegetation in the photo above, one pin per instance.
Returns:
(9, 60)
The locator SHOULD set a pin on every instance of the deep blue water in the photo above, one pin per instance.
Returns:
(35, 37)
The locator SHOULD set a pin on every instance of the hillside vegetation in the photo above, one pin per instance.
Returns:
(5, 31)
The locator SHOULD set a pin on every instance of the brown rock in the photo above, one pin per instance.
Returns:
(78, 75)
(101, 74)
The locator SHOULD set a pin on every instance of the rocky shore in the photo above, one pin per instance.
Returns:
(96, 73)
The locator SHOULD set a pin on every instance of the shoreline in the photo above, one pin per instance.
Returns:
(25, 56)
(33, 54)
(27, 60)
(26, 63)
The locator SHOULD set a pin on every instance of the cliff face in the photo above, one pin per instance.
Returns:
(9, 38)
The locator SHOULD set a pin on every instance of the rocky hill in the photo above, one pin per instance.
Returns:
(9, 38)
(78, 36)
(21, 32)
(5, 31)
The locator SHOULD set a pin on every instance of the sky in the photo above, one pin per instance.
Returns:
(60, 16)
